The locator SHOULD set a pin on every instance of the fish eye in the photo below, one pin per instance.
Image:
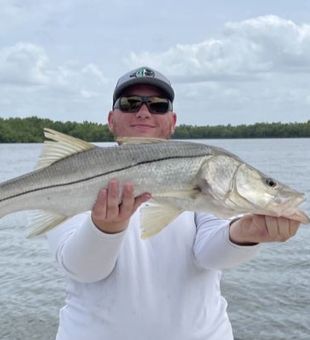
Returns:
(271, 182)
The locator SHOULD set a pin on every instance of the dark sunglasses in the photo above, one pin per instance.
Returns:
(133, 104)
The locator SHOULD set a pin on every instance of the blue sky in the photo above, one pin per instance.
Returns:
(230, 62)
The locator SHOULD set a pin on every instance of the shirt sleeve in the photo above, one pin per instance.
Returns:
(82, 251)
(213, 248)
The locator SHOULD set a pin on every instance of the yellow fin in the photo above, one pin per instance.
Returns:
(156, 216)
(42, 221)
(60, 147)
(139, 140)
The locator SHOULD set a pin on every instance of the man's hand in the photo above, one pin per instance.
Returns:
(251, 229)
(112, 211)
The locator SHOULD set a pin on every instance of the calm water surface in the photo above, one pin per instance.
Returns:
(269, 297)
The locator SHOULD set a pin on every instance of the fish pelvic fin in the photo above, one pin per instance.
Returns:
(60, 146)
(42, 221)
(139, 140)
(156, 216)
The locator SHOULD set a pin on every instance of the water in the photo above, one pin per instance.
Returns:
(269, 297)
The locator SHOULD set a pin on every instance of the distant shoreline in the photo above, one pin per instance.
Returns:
(30, 130)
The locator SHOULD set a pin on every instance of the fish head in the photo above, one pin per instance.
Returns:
(243, 189)
(266, 194)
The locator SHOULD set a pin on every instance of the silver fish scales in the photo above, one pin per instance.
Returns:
(180, 175)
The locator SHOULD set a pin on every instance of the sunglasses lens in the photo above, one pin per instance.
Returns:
(158, 105)
(134, 103)
(130, 104)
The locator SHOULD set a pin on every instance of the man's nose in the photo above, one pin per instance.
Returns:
(143, 112)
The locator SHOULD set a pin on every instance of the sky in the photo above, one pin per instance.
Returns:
(230, 62)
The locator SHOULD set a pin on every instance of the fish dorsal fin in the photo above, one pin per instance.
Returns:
(60, 146)
(139, 140)
(156, 216)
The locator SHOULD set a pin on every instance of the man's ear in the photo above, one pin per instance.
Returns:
(110, 121)
(174, 121)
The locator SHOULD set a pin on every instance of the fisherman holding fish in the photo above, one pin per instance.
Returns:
(124, 286)
(166, 287)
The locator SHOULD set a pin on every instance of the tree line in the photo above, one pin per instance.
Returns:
(30, 130)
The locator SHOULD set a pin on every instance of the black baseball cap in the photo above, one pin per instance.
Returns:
(143, 75)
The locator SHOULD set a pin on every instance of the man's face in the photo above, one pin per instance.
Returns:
(141, 123)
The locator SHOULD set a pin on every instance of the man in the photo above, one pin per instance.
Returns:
(166, 287)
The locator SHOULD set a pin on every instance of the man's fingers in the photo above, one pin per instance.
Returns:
(284, 228)
(263, 228)
(100, 207)
(294, 225)
(111, 208)
(281, 228)
(141, 199)
(272, 227)
(128, 201)
(113, 199)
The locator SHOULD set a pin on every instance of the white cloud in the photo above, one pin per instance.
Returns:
(29, 14)
(63, 61)
(247, 49)
(26, 64)
(32, 83)
(284, 44)
(257, 70)
(23, 64)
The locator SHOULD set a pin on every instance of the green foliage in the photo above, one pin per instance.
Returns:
(258, 130)
(30, 130)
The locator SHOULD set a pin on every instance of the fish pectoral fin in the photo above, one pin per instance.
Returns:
(42, 221)
(139, 140)
(60, 146)
(156, 216)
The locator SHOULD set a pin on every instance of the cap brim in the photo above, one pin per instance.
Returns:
(144, 81)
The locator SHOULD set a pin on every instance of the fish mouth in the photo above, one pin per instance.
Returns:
(288, 206)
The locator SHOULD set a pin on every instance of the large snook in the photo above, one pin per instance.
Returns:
(180, 175)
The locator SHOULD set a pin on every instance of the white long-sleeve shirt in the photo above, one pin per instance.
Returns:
(167, 287)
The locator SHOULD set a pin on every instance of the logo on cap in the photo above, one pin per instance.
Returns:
(143, 72)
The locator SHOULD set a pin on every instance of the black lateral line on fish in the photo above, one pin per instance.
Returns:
(95, 176)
